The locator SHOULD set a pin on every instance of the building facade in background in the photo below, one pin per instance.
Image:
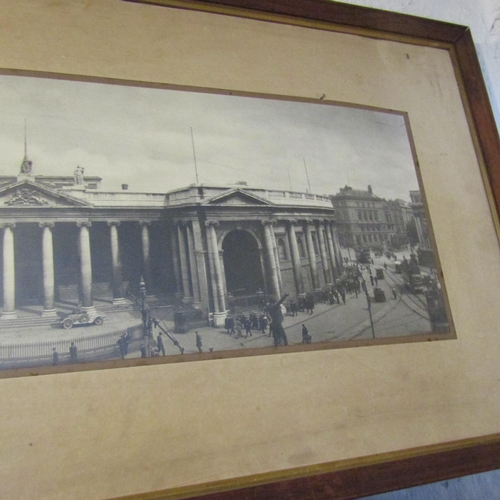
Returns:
(366, 220)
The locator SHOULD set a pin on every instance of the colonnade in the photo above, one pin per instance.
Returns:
(85, 271)
(190, 258)
(329, 253)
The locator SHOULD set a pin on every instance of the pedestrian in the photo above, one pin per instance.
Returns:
(122, 345)
(143, 351)
(372, 280)
(394, 293)
(385, 265)
(55, 356)
(262, 323)
(376, 281)
(276, 315)
(159, 344)
(248, 328)
(306, 338)
(199, 344)
(125, 340)
(73, 352)
(237, 327)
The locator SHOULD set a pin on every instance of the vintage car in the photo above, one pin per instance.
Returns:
(80, 317)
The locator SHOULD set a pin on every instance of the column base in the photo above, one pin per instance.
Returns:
(187, 300)
(120, 301)
(49, 313)
(219, 318)
(89, 309)
(9, 315)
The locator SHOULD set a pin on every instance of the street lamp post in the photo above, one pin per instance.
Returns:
(369, 303)
(145, 316)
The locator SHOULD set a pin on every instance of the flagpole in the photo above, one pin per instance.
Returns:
(194, 156)
(307, 175)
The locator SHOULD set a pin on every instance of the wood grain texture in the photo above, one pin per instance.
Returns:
(482, 115)
(340, 14)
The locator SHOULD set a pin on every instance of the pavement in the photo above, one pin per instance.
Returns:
(328, 323)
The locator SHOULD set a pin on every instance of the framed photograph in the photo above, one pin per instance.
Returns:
(300, 200)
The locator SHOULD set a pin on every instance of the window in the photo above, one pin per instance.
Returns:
(300, 244)
(282, 250)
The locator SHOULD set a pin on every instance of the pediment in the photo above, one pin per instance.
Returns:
(28, 194)
(237, 197)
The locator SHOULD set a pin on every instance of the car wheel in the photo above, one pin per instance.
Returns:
(67, 324)
(98, 321)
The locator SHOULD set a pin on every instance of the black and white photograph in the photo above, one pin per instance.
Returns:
(145, 222)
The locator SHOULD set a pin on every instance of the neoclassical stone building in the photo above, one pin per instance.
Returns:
(67, 241)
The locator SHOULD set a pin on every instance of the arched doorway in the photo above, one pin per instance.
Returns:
(242, 264)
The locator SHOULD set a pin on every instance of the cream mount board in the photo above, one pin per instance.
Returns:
(110, 433)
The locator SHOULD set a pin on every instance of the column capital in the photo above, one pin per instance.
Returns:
(46, 224)
(10, 225)
(210, 223)
(271, 222)
(144, 222)
(181, 223)
(293, 222)
(84, 223)
(111, 223)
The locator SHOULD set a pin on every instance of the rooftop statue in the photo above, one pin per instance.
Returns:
(79, 176)
(26, 166)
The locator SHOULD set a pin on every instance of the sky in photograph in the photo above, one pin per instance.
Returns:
(142, 137)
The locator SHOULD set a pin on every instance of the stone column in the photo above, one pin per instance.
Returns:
(336, 246)
(263, 270)
(48, 269)
(195, 282)
(322, 250)
(223, 272)
(9, 273)
(339, 265)
(175, 260)
(277, 258)
(268, 239)
(116, 264)
(85, 265)
(200, 255)
(183, 257)
(297, 267)
(331, 251)
(146, 269)
(311, 255)
(216, 275)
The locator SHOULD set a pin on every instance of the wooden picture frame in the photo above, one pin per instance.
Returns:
(379, 468)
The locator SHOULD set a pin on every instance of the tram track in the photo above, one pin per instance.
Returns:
(409, 299)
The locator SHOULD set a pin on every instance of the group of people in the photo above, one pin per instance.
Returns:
(234, 325)
(73, 354)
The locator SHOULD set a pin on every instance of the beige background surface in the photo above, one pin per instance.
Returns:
(106, 433)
